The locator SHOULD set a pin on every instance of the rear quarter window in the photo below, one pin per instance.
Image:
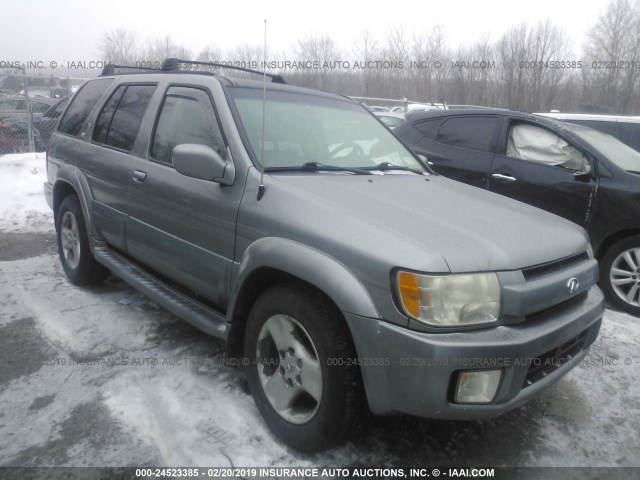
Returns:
(428, 128)
(82, 104)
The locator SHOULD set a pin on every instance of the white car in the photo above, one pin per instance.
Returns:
(624, 128)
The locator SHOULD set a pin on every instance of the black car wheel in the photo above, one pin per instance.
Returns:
(73, 245)
(620, 274)
(299, 370)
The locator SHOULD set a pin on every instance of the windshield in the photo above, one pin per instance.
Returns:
(616, 151)
(330, 134)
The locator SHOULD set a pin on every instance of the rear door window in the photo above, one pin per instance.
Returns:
(82, 104)
(119, 121)
(474, 133)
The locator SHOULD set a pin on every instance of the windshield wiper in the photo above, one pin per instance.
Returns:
(319, 167)
(386, 166)
(316, 167)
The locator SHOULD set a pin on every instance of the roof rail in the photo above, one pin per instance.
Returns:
(174, 64)
(111, 69)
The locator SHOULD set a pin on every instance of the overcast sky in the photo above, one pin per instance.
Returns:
(70, 29)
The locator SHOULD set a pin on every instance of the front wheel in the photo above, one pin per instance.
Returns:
(301, 371)
(73, 245)
(620, 275)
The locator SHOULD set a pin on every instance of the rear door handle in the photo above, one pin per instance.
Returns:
(506, 178)
(139, 176)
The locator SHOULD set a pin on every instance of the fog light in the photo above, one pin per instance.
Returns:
(479, 386)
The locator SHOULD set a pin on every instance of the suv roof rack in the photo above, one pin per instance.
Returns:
(171, 64)
(112, 69)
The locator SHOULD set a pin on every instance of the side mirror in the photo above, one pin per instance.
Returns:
(203, 162)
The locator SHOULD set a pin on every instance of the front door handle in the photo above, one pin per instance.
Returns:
(506, 178)
(139, 176)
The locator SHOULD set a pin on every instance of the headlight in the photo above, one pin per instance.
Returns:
(590, 250)
(450, 300)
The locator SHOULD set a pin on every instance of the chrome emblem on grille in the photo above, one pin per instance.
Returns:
(572, 285)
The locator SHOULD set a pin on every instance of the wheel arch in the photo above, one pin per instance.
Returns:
(61, 189)
(613, 238)
(270, 261)
(68, 182)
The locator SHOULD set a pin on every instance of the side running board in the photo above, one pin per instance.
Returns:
(198, 315)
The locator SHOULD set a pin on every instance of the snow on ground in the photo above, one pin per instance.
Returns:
(101, 376)
(119, 381)
(22, 204)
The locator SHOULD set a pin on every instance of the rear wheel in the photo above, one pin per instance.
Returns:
(73, 245)
(620, 275)
(301, 371)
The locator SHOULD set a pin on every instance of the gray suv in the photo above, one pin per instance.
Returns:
(343, 273)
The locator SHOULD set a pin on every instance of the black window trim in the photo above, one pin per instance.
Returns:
(93, 127)
(201, 88)
(103, 104)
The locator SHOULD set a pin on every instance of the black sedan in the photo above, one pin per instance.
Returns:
(573, 171)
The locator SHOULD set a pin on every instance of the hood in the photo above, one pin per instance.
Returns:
(424, 223)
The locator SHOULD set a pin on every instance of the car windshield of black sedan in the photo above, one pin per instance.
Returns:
(616, 151)
(303, 130)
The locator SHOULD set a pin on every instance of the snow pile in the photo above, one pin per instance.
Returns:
(23, 207)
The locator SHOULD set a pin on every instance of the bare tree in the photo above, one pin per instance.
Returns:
(548, 46)
(472, 74)
(209, 54)
(323, 50)
(531, 70)
(119, 46)
(248, 55)
(512, 50)
(162, 48)
(366, 52)
(518, 71)
(613, 39)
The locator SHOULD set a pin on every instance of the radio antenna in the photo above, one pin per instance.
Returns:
(264, 110)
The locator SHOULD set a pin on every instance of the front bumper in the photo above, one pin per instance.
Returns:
(411, 372)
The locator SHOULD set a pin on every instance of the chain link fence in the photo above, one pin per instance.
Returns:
(30, 107)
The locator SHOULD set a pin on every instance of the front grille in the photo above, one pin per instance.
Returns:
(556, 310)
(548, 268)
(552, 360)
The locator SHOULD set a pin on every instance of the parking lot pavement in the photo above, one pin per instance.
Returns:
(103, 377)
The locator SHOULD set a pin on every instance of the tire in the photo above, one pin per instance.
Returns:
(620, 275)
(73, 245)
(307, 401)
